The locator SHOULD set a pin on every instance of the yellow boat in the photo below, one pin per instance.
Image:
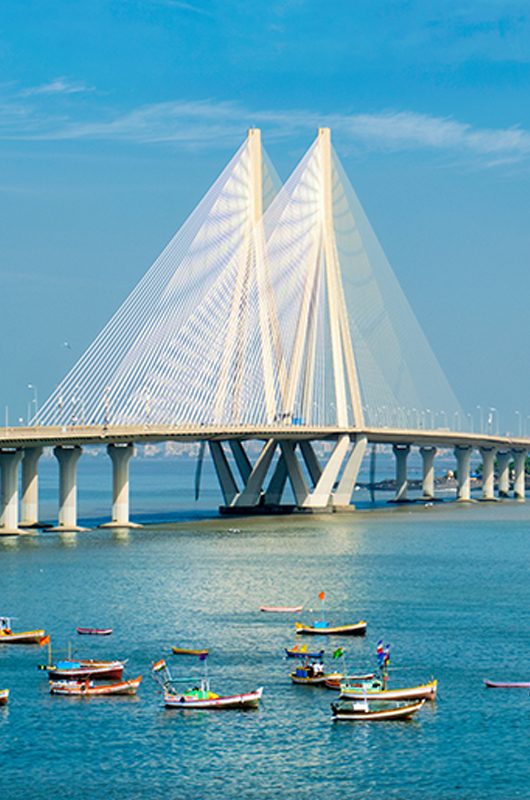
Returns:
(8, 636)
(183, 651)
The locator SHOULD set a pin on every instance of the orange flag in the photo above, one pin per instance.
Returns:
(45, 640)
(322, 595)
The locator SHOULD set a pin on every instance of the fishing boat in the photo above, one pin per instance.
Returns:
(8, 636)
(302, 651)
(312, 674)
(94, 631)
(363, 711)
(84, 669)
(183, 651)
(4, 696)
(281, 609)
(426, 691)
(334, 683)
(323, 628)
(200, 696)
(89, 689)
(506, 685)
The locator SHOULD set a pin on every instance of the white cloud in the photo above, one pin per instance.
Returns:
(208, 123)
(57, 86)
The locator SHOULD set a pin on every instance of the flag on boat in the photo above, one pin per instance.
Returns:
(380, 652)
(321, 596)
(45, 640)
(338, 652)
(160, 665)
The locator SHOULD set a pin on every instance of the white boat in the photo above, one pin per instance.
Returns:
(363, 711)
(427, 691)
(204, 698)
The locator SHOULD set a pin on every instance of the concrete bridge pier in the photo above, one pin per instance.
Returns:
(67, 458)
(9, 461)
(120, 455)
(463, 460)
(503, 469)
(519, 459)
(401, 452)
(427, 455)
(488, 474)
(342, 495)
(29, 511)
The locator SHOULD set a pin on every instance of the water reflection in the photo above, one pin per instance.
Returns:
(121, 536)
(68, 538)
(9, 542)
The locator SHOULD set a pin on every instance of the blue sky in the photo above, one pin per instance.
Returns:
(116, 116)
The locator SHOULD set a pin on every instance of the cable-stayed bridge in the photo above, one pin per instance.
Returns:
(272, 315)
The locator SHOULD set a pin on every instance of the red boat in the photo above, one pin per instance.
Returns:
(84, 669)
(94, 631)
(88, 689)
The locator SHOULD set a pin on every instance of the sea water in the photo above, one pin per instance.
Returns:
(446, 586)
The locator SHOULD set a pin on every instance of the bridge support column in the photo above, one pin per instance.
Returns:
(343, 493)
(224, 473)
(273, 495)
(503, 467)
(9, 461)
(321, 496)
(30, 488)
(488, 465)
(519, 483)
(252, 493)
(401, 452)
(120, 455)
(67, 458)
(427, 455)
(294, 472)
(463, 460)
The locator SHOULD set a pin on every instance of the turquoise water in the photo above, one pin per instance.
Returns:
(447, 586)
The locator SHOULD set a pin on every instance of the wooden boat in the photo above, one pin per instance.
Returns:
(203, 698)
(426, 691)
(312, 675)
(4, 696)
(506, 685)
(302, 651)
(281, 609)
(334, 683)
(324, 629)
(8, 636)
(84, 669)
(183, 651)
(89, 689)
(94, 631)
(363, 711)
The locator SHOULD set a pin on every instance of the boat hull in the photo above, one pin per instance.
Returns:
(4, 696)
(345, 713)
(359, 629)
(81, 689)
(426, 691)
(506, 685)
(248, 700)
(183, 651)
(86, 669)
(94, 631)
(334, 683)
(281, 609)
(315, 680)
(300, 653)
(24, 637)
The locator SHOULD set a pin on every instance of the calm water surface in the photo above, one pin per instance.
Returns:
(446, 586)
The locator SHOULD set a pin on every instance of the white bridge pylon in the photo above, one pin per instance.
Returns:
(264, 309)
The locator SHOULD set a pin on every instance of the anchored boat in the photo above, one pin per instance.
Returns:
(281, 609)
(89, 689)
(183, 651)
(335, 683)
(363, 711)
(200, 696)
(506, 685)
(313, 675)
(94, 631)
(4, 696)
(8, 636)
(426, 691)
(302, 651)
(84, 669)
(325, 629)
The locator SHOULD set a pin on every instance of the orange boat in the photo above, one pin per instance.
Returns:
(89, 689)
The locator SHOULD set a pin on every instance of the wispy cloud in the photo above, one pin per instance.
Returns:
(57, 86)
(207, 123)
